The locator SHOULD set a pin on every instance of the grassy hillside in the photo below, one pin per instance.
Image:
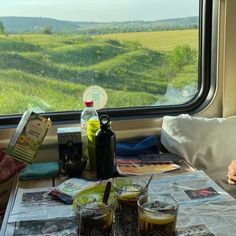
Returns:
(159, 41)
(52, 71)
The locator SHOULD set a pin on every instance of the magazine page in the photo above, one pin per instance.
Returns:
(147, 164)
(142, 169)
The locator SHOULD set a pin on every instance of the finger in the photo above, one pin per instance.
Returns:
(231, 182)
(232, 172)
(232, 178)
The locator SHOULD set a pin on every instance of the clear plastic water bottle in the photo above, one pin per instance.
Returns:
(89, 113)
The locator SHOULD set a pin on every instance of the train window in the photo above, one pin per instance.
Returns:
(130, 56)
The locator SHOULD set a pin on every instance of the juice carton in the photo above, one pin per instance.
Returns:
(28, 137)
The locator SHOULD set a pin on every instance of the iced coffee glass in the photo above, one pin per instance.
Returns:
(157, 215)
(127, 192)
(95, 218)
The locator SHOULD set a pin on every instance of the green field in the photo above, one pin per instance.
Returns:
(159, 41)
(52, 71)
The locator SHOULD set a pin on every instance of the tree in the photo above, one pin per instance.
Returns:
(2, 28)
(47, 30)
(182, 55)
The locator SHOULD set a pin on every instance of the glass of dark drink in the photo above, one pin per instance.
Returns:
(157, 215)
(127, 192)
(95, 218)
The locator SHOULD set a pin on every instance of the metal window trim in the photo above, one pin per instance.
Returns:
(208, 19)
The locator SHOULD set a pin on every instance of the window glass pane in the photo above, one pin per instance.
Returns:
(142, 53)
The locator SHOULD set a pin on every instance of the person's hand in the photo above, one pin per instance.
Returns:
(232, 172)
(8, 166)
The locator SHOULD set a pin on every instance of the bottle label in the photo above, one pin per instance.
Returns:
(96, 94)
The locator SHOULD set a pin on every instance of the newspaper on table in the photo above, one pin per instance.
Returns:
(204, 207)
(36, 213)
(36, 203)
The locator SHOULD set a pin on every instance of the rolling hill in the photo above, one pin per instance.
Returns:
(19, 25)
(52, 71)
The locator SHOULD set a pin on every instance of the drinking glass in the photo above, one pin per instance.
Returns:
(157, 215)
(127, 192)
(95, 218)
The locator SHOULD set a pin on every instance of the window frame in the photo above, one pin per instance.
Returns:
(208, 18)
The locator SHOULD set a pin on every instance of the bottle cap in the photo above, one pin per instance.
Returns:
(88, 103)
(104, 121)
(96, 94)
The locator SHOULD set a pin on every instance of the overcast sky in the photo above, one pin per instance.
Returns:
(100, 10)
